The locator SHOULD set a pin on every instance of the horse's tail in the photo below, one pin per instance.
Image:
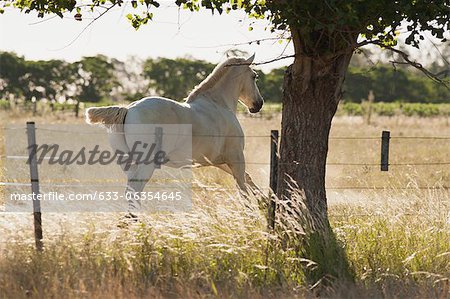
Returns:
(111, 117)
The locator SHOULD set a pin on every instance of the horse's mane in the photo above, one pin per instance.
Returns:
(219, 71)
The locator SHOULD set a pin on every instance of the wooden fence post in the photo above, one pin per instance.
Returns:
(370, 99)
(34, 101)
(158, 141)
(273, 176)
(77, 108)
(385, 137)
(32, 146)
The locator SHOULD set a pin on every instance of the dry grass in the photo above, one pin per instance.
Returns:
(397, 240)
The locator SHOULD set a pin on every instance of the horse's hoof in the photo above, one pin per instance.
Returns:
(130, 215)
(127, 220)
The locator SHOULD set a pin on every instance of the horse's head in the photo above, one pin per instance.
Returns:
(249, 94)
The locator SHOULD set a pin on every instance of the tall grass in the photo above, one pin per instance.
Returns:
(399, 244)
(396, 241)
(222, 249)
(213, 250)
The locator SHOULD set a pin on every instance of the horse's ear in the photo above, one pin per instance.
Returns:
(250, 59)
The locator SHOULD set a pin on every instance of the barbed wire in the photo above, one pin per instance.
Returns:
(421, 137)
(109, 182)
(253, 162)
(232, 136)
(268, 163)
(334, 215)
(219, 188)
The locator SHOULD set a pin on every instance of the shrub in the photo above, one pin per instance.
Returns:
(352, 108)
(385, 109)
(423, 110)
(4, 105)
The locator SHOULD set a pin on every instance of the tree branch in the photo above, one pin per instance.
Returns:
(88, 25)
(275, 59)
(407, 60)
(261, 63)
(256, 41)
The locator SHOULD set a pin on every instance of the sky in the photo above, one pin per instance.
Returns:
(173, 33)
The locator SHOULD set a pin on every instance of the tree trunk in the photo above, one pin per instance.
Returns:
(312, 90)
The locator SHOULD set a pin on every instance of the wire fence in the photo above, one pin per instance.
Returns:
(120, 184)
(266, 136)
(274, 163)
(268, 163)
(236, 136)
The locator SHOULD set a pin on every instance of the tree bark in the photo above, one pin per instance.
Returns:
(312, 90)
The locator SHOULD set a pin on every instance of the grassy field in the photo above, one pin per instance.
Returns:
(271, 109)
(393, 226)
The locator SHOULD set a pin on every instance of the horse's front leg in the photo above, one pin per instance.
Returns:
(237, 169)
(248, 179)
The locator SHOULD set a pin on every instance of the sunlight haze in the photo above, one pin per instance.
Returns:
(172, 33)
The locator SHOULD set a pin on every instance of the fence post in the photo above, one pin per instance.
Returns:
(77, 108)
(158, 141)
(34, 101)
(385, 137)
(34, 177)
(273, 176)
(370, 99)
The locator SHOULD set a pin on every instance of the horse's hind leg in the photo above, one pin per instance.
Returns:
(136, 183)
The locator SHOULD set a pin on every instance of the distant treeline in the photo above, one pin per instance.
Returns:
(99, 78)
(393, 85)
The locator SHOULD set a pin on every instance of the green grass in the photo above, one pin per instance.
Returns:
(345, 108)
(401, 245)
(391, 109)
(379, 109)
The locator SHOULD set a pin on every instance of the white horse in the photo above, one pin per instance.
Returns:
(211, 110)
